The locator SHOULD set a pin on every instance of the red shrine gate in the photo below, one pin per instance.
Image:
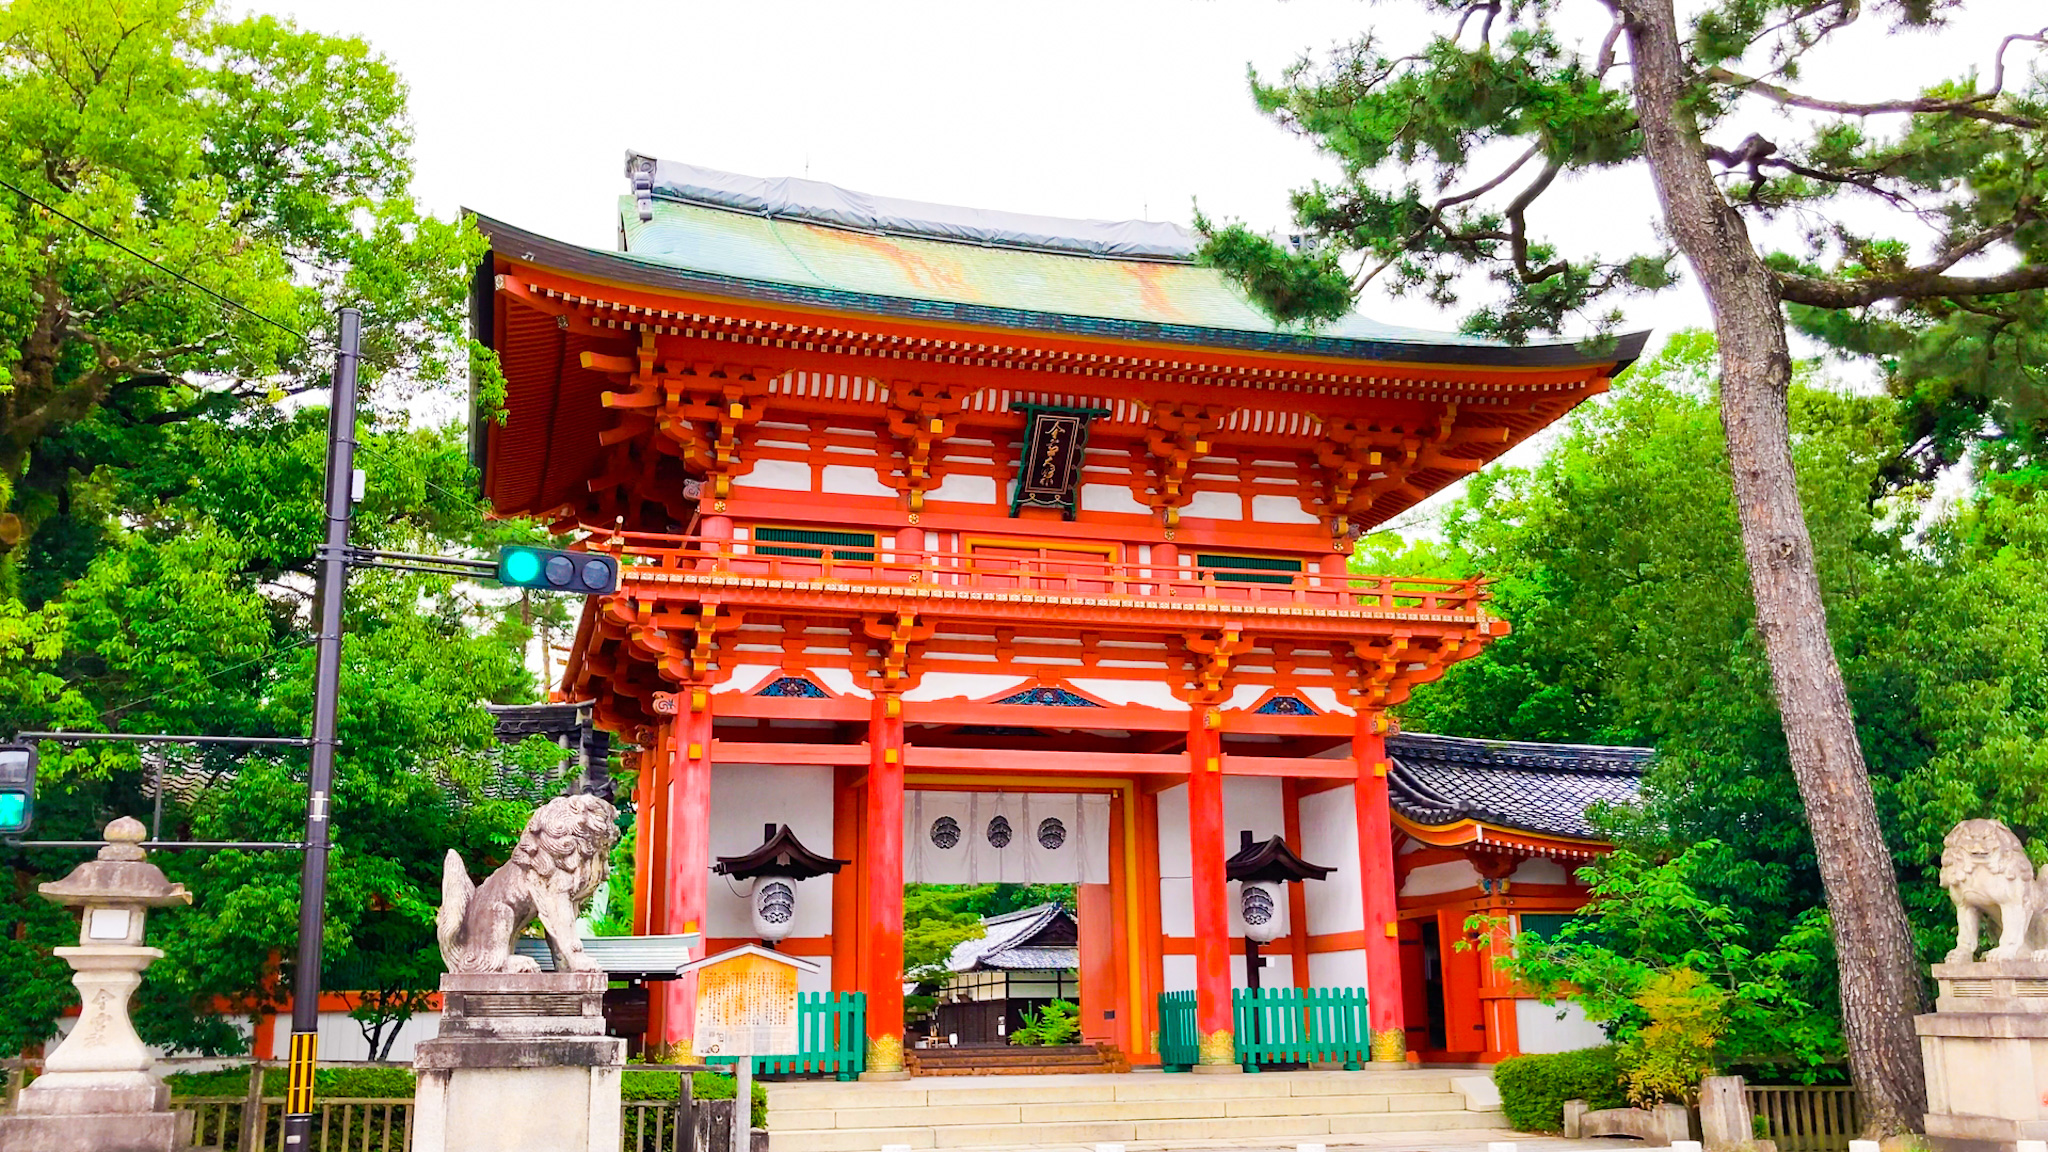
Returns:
(917, 502)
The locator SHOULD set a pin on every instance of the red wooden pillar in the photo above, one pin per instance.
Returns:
(689, 854)
(1206, 846)
(1376, 867)
(883, 866)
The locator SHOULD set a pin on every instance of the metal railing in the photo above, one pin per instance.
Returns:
(1801, 1118)
(656, 558)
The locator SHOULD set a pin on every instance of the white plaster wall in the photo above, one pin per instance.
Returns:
(1327, 700)
(854, 480)
(342, 1038)
(1431, 879)
(1176, 888)
(1173, 833)
(743, 798)
(1214, 506)
(1329, 835)
(1280, 510)
(782, 475)
(1178, 973)
(1252, 802)
(1337, 969)
(1554, 1028)
(1111, 498)
(1278, 972)
(1540, 870)
(964, 488)
(963, 685)
(1141, 693)
(821, 980)
(840, 680)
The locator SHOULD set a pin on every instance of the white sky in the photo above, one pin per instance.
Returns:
(1116, 109)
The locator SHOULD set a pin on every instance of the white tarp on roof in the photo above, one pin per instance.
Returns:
(788, 197)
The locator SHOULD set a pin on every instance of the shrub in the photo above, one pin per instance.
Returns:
(703, 1086)
(1666, 1060)
(354, 1083)
(1533, 1089)
(1059, 1022)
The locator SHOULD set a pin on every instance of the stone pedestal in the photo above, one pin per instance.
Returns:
(521, 1064)
(1986, 1050)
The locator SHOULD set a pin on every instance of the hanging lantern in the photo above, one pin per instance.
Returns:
(776, 868)
(1263, 904)
(774, 908)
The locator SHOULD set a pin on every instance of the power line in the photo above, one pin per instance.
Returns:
(219, 297)
(159, 265)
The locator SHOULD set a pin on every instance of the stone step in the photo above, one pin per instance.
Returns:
(1056, 1089)
(1071, 1131)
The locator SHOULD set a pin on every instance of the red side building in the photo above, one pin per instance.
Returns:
(971, 546)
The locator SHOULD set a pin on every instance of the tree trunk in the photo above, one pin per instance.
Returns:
(1880, 977)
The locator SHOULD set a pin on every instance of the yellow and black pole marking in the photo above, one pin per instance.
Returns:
(298, 1092)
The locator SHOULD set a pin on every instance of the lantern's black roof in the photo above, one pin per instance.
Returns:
(1547, 789)
(781, 854)
(1271, 861)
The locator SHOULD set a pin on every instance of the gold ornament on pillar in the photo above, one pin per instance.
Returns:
(1218, 1047)
(885, 1053)
(1390, 1046)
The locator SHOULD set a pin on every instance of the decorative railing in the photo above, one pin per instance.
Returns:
(652, 558)
(1273, 1026)
(832, 1038)
(1802, 1118)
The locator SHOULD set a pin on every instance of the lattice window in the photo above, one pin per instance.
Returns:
(1227, 568)
(793, 686)
(1050, 697)
(1285, 706)
(844, 545)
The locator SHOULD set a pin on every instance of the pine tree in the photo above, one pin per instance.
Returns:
(1446, 150)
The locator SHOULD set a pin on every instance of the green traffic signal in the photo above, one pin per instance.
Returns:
(521, 565)
(558, 570)
(17, 789)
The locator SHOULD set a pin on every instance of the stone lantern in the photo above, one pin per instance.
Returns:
(96, 1092)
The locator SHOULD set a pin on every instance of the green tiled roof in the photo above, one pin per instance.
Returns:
(750, 247)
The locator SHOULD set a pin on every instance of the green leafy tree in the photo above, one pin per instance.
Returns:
(268, 164)
(197, 619)
(1683, 981)
(1446, 149)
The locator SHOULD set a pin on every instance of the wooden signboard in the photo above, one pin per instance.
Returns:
(746, 1004)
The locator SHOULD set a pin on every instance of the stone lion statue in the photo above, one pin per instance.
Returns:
(1987, 873)
(561, 858)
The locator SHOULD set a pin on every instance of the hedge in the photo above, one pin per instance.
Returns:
(395, 1083)
(354, 1083)
(1533, 1089)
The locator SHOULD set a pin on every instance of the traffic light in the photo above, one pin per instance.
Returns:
(17, 788)
(555, 570)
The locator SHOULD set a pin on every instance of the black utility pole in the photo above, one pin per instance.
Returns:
(334, 557)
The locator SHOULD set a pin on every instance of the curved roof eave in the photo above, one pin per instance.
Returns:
(516, 243)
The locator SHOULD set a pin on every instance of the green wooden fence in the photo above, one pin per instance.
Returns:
(1300, 1026)
(1179, 1039)
(1273, 1026)
(832, 1038)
